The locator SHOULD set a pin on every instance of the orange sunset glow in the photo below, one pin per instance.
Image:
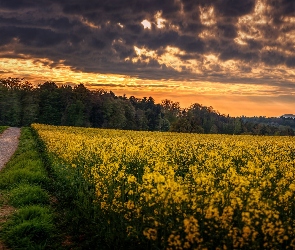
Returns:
(237, 56)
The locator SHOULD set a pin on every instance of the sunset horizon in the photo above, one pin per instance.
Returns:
(238, 57)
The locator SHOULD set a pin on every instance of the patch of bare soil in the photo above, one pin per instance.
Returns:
(5, 212)
(2, 246)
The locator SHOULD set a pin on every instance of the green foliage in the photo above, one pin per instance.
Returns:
(50, 107)
(25, 194)
(18, 104)
(9, 179)
(114, 114)
(25, 166)
(23, 182)
(74, 114)
(2, 128)
(76, 210)
(22, 105)
(29, 228)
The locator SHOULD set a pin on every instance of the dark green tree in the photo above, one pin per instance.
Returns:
(50, 104)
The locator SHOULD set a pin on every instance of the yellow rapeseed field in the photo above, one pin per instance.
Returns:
(187, 191)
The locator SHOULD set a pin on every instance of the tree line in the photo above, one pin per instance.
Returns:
(22, 104)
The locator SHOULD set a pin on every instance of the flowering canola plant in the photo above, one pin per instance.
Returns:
(186, 191)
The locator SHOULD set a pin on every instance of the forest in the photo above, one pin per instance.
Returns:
(22, 103)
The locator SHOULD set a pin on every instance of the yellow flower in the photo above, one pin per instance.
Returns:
(187, 179)
(150, 233)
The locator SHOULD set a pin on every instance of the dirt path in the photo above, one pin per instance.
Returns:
(8, 144)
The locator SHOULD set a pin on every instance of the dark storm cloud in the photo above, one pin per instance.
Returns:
(280, 9)
(233, 8)
(235, 53)
(16, 4)
(158, 39)
(227, 30)
(290, 61)
(62, 23)
(32, 37)
(99, 36)
(273, 58)
(190, 44)
(97, 44)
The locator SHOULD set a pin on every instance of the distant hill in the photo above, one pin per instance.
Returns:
(288, 116)
(286, 121)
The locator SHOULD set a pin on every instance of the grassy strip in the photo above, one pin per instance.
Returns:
(2, 128)
(75, 210)
(23, 185)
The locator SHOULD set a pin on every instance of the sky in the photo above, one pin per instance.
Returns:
(235, 55)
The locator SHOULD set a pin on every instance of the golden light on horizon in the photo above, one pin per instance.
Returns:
(38, 71)
(241, 50)
(223, 97)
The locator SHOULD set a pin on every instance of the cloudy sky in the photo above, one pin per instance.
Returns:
(235, 55)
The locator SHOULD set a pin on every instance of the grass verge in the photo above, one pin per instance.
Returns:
(74, 205)
(2, 128)
(29, 224)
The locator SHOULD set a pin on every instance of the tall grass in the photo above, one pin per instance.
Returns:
(30, 227)
(2, 128)
(23, 185)
(76, 211)
(27, 194)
